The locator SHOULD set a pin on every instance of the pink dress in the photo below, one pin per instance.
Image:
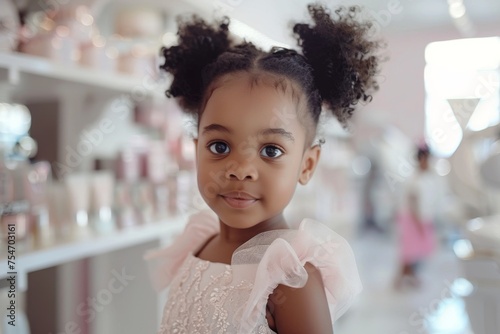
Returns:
(207, 297)
(416, 244)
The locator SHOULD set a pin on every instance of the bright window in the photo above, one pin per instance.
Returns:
(464, 68)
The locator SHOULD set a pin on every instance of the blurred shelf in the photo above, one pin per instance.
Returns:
(32, 259)
(36, 78)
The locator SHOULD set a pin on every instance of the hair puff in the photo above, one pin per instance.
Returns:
(342, 56)
(199, 45)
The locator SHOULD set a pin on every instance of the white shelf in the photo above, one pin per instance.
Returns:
(35, 78)
(34, 259)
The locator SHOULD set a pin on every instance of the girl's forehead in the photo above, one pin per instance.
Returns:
(261, 79)
(243, 95)
(248, 108)
(254, 92)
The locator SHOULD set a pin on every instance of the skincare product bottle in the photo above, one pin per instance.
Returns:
(37, 180)
(14, 208)
(78, 191)
(102, 191)
(125, 214)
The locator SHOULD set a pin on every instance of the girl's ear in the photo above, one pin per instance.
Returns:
(309, 163)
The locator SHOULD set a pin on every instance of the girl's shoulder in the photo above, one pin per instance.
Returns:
(281, 257)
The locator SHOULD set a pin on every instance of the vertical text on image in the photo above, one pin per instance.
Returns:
(11, 264)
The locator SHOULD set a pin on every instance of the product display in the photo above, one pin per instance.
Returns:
(60, 34)
(98, 55)
(138, 21)
(9, 26)
(150, 115)
(138, 62)
(57, 45)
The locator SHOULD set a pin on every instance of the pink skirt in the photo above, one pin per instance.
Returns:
(415, 244)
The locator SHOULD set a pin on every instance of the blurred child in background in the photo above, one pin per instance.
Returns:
(417, 237)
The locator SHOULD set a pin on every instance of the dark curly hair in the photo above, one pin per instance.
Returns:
(336, 68)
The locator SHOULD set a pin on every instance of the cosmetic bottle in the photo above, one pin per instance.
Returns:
(78, 192)
(102, 185)
(59, 212)
(37, 181)
(156, 163)
(142, 187)
(125, 213)
(128, 172)
(14, 208)
(143, 202)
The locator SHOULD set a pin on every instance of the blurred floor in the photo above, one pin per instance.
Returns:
(434, 308)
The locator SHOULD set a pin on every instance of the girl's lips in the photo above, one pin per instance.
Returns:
(238, 200)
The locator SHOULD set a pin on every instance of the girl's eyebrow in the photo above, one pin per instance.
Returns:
(216, 127)
(271, 131)
(278, 131)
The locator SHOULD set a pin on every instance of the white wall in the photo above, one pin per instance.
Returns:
(401, 97)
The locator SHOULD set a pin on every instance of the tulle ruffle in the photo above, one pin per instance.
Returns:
(165, 262)
(281, 256)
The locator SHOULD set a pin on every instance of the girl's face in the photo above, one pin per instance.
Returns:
(250, 152)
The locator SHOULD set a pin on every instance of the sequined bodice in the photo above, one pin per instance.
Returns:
(207, 297)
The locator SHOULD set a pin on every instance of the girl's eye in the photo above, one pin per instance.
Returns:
(271, 151)
(219, 148)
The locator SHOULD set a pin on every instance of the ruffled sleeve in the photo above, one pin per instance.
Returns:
(164, 263)
(280, 257)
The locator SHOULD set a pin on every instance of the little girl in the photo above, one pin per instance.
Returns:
(242, 269)
(420, 205)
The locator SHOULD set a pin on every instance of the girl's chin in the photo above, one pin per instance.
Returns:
(236, 220)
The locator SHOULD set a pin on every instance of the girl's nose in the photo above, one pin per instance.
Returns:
(242, 170)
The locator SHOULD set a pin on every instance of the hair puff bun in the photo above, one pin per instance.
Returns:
(199, 45)
(342, 56)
